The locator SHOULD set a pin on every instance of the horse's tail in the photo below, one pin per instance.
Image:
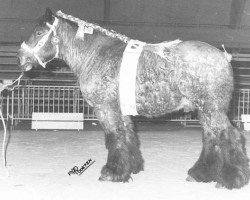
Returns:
(227, 55)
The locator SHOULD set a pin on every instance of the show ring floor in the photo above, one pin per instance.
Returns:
(39, 162)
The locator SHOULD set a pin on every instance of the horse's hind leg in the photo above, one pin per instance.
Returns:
(223, 158)
(124, 156)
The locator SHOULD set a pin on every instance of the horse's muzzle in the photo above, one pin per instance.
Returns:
(24, 62)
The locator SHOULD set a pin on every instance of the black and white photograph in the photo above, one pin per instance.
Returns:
(124, 99)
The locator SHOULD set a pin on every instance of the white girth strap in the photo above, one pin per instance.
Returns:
(127, 79)
(42, 42)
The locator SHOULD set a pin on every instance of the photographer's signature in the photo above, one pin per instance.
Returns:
(77, 171)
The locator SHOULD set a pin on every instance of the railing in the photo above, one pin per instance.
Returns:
(20, 103)
(240, 105)
(24, 100)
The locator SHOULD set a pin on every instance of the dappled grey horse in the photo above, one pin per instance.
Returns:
(168, 77)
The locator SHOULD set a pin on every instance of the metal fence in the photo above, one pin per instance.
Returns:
(240, 105)
(20, 103)
(24, 100)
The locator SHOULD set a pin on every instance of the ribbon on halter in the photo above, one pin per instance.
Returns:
(42, 42)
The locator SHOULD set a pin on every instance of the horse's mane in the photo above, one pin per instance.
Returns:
(110, 33)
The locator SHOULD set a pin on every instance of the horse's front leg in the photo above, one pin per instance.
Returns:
(124, 155)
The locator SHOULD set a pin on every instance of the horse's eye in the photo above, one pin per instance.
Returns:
(38, 33)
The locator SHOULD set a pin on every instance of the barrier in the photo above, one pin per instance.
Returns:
(24, 100)
(246, 122)
(70, 121)
(240, 105)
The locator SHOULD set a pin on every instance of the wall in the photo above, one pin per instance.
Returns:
(18, 17)
(148, 20)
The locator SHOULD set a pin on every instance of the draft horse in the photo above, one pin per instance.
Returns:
(185, 75)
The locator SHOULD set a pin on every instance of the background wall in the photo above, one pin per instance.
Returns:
(148, 20)
(214, 21)
(18, 17)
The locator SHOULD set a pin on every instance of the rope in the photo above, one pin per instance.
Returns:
(4, 144)
(18, 82)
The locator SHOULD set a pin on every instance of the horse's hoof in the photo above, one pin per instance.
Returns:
(114, 178)
(219, 186)
(104, 178)
(190, 179)
(108, 175)
(234, 176)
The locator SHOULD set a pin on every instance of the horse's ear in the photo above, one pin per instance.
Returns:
(48, 15)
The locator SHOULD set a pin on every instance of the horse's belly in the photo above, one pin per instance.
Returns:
(156, 99)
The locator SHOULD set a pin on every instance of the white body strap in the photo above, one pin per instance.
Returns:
(127, 79)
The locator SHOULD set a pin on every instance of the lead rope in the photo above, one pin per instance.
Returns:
(4, 145)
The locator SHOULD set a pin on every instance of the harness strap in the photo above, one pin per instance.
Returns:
(127, 78)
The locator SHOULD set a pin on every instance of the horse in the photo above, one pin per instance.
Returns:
(166, 77)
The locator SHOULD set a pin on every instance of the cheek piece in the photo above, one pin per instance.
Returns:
(41, 43)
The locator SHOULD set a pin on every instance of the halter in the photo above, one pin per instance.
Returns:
(42, 42)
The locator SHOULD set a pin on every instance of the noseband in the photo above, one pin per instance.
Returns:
(42, 42)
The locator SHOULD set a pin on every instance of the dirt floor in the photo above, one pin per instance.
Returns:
(39, 162)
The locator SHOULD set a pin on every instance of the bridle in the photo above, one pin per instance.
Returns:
(42, 42)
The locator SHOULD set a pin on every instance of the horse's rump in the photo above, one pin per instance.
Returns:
(179, 75)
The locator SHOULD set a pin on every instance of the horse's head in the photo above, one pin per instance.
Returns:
(43, 44)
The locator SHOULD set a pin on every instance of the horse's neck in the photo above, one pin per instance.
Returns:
(80, 53)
